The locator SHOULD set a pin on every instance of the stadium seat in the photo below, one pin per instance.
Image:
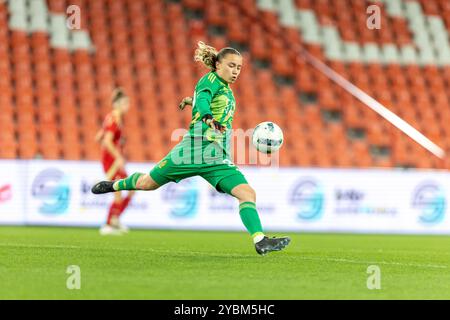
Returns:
(39, 15)
(54, 83)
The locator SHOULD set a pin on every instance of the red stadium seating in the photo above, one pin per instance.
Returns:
(53, 100)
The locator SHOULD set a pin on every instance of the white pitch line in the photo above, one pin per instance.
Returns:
(434, 266)
(50, 246)
(187, 252)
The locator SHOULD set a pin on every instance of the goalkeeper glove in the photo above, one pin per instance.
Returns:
(213, 123)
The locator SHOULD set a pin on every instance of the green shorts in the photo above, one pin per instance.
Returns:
(201, 158)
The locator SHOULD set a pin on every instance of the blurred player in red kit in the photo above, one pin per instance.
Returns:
(113, 161)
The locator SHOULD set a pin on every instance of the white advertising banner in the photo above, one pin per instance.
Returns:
(288, 199)
(56, 190)
(12, 186)
(386, 201)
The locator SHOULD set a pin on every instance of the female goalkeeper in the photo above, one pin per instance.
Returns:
(205, 150)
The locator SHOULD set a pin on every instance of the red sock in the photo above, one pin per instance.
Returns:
(114, 211)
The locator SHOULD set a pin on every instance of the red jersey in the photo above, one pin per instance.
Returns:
(111, 125)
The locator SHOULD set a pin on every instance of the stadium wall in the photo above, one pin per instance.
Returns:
(289, 199)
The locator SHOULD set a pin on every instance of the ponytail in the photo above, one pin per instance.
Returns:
(209, 56)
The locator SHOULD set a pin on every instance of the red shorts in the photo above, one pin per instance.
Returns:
(107, 162)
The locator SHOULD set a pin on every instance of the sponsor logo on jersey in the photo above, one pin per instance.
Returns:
(162, 164)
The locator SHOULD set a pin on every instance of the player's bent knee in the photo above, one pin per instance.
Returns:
(244, 193)
(251, 195)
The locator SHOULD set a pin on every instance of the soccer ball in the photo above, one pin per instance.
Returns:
(267, 137)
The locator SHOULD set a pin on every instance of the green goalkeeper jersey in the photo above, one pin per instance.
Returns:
(213, 96)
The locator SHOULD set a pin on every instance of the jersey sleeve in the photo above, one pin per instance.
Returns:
(203, 103)
(205, 90)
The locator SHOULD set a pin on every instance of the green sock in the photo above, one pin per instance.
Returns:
(128, 183)
(250, 218)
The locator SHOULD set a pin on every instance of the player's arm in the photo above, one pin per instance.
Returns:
(203, 104)
(99, 135)
(187, 101)
(108, 144)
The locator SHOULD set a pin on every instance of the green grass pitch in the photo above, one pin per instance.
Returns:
(149, 264)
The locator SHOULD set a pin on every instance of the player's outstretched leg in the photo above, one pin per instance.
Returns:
(249, 216)
(136, 181)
